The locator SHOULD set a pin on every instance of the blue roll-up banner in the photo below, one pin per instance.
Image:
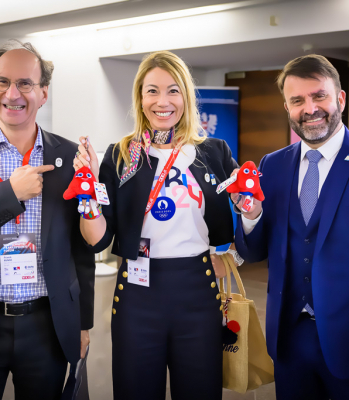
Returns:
(218, 108)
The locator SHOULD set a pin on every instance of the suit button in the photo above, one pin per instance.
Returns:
(306, 279)
(303, 298)
(204, 259)
(114, 311)
(218, 296)
(125, 274)
(306, 260)
(213, 284)
(120, 286)
(221, 307)
(116, 299)
(208, 272)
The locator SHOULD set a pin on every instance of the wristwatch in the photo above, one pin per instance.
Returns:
(237, 258)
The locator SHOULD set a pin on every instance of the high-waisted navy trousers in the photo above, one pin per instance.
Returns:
(176, 322)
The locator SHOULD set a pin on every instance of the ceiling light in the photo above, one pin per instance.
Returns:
(153, 18)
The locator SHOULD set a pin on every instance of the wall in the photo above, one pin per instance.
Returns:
(89, 96)
(210, 77)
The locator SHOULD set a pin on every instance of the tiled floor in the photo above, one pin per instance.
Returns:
(99, 362)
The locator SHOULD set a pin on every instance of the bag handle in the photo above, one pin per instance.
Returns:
(230, 267)
(221, 280)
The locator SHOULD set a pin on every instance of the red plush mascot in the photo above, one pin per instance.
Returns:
(245, 182)
(82, 187)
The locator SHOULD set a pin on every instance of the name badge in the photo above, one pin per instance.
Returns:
(18, 259)
(101, 194)
(139, 270)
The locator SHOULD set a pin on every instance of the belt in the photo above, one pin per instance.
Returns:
(20, 309)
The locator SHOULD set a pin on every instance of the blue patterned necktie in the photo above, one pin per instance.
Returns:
(310, 187)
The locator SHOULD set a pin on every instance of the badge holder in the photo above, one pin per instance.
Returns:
(18, 258)
(139, 270)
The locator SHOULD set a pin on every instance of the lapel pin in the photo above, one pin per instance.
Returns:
(346, 158)
(58, 162)
(213, 179)
(207, 177)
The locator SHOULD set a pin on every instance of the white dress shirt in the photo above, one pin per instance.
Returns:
(329, 151)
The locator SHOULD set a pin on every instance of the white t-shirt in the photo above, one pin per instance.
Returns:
(176, 225)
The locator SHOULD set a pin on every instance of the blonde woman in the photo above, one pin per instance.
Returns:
(166, 309)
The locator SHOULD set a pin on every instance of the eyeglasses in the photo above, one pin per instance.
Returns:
(23, 85)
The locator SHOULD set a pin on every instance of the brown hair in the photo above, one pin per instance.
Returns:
(46, 66)
(309, 67)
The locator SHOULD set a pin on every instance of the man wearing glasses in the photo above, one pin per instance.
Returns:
(47, 274)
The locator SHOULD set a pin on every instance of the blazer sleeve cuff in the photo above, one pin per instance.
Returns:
(103, 243)
(10, 207)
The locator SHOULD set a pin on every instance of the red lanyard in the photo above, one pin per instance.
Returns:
(25, 161)
(155, 192)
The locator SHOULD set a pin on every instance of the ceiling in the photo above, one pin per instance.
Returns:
(262, 54)
(236, 56)
(104, 13)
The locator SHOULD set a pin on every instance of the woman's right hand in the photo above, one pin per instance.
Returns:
(86, 158)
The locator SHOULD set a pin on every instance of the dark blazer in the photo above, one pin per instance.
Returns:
(125, 213)
(69, 266)
(330, 268)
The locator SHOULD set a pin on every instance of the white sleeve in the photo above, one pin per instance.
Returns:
(249, 224)
(212, 250)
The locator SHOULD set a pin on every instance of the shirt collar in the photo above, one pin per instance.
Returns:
(3, 138)
(330, 148)
(38, 142)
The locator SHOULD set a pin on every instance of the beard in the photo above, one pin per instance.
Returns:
(317, 133)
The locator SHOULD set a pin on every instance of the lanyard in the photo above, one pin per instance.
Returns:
(155, 192)
(25, 161)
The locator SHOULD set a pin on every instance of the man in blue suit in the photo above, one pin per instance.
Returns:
(302, 228)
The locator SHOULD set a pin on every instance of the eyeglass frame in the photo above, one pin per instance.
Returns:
(16, 83)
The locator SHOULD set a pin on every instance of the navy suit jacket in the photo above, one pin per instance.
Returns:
(330, 270)
(125, 213)
(68, 265)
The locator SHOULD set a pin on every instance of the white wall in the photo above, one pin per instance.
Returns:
(116, 86)
(44, 116)
(89, 96)
(210, 77)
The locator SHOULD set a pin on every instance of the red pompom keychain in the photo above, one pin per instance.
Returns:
(233, 326)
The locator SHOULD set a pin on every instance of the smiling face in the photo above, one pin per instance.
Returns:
(18, 110)
(314, 108)
(162, 100)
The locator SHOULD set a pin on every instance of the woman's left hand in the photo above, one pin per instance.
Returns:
(218, 266)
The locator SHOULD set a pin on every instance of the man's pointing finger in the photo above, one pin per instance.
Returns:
(43, 168)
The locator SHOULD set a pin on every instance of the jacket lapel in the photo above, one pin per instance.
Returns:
(216, 206)
(52, 151)
(288, 169)
(136, 192)
(337, 181)
(199, 168)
